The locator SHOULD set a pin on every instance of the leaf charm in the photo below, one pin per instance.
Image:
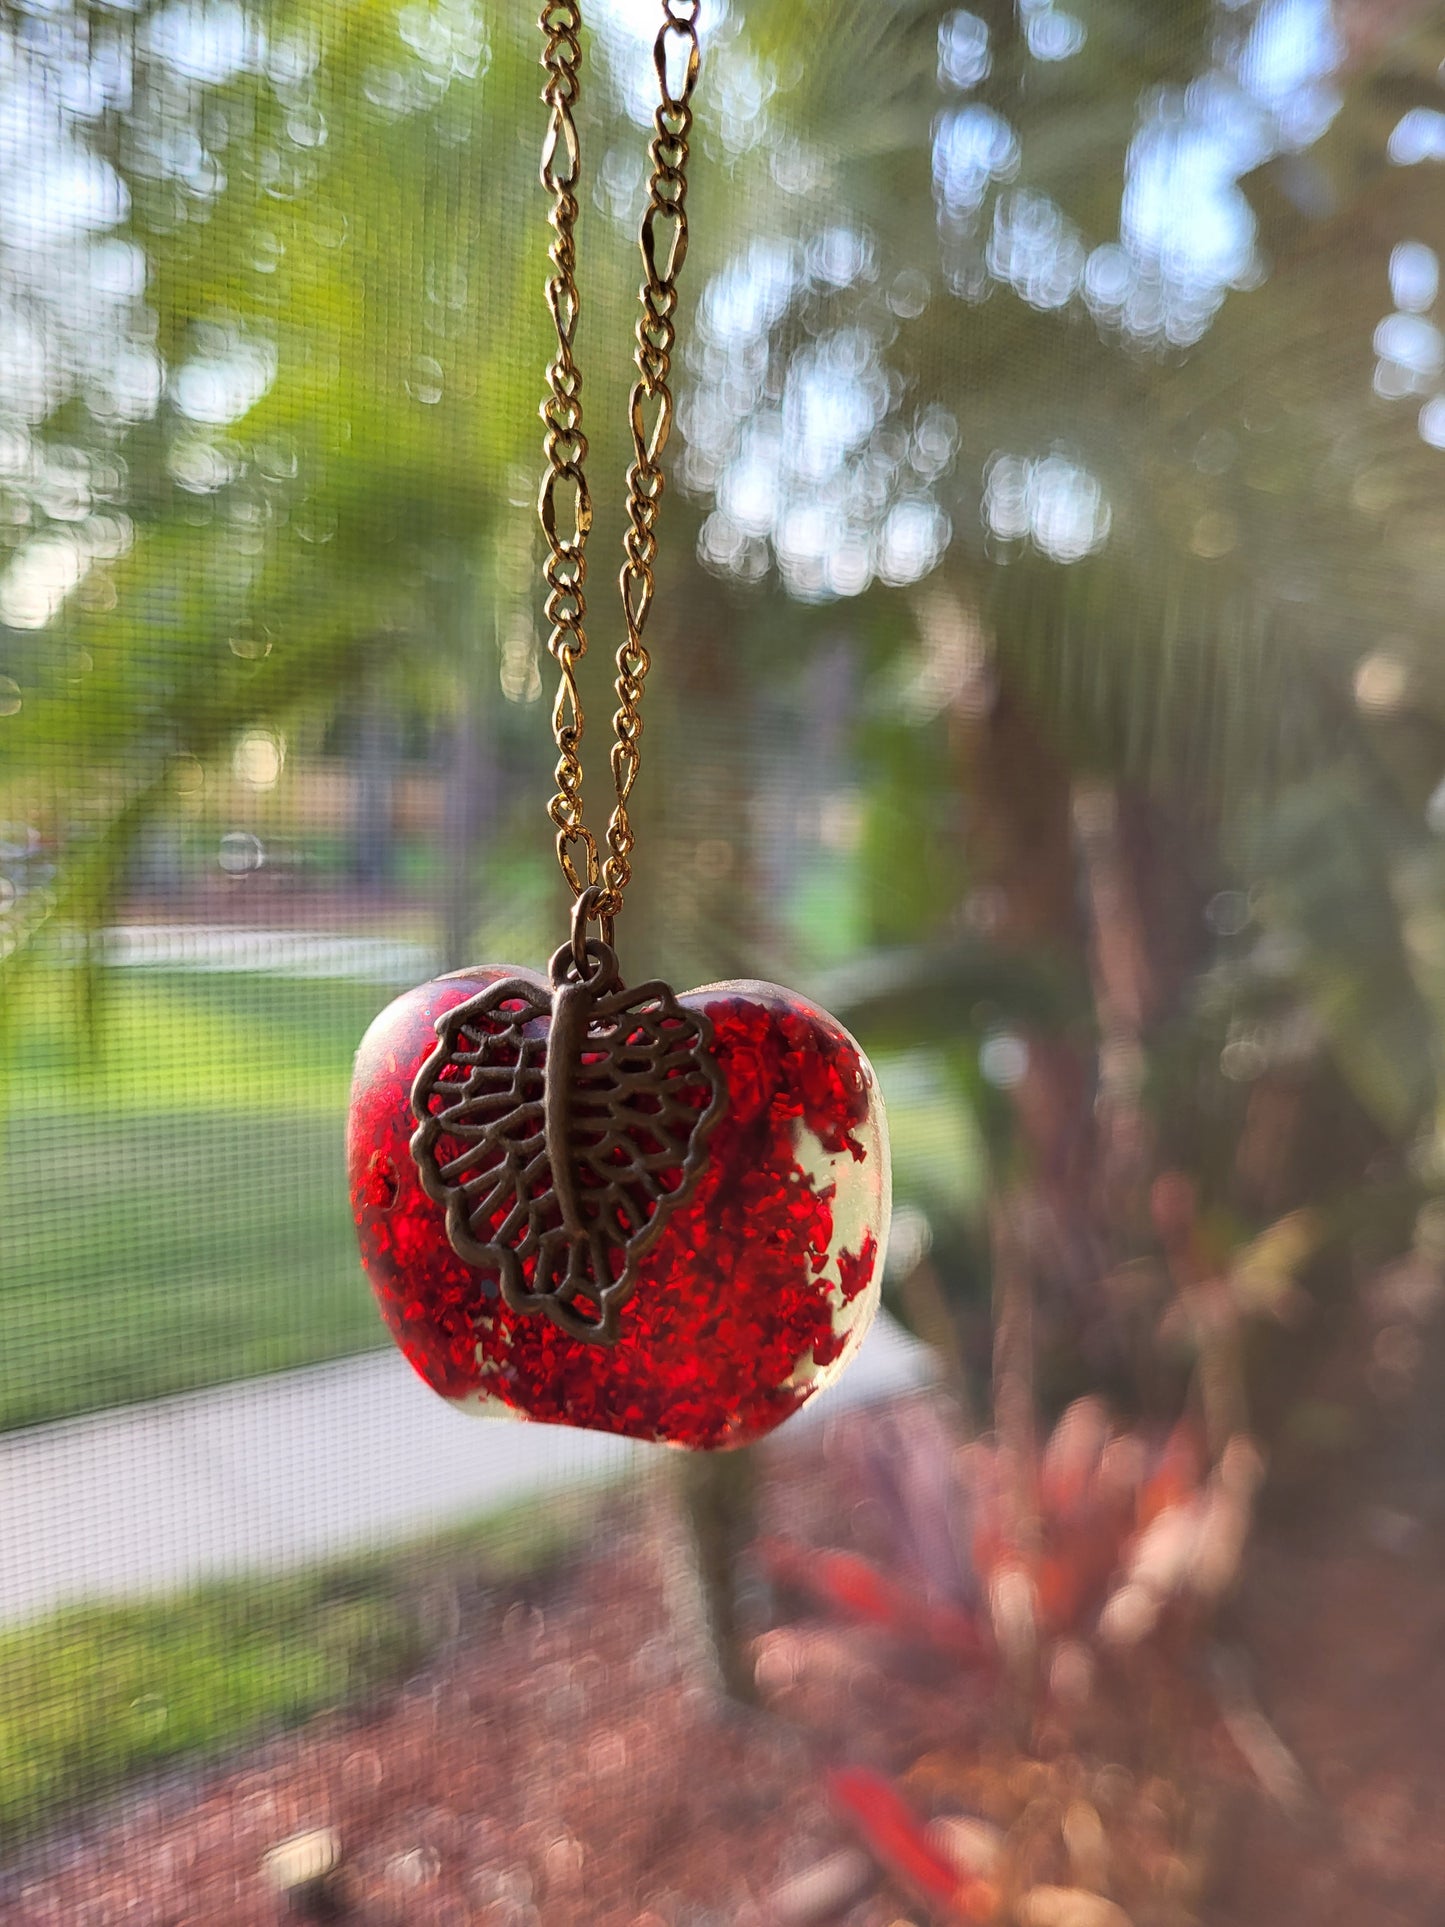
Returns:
(560, 1125)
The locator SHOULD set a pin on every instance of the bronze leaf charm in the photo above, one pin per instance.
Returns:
(560, 1124)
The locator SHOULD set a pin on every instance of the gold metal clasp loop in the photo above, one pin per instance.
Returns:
(590, 903)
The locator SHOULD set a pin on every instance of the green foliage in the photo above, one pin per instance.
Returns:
(372, 225)
(1326, 864)
(1266, 504)
(909, 839)
(93, 1695)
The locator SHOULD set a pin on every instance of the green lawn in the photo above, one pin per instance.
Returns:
(173, 1207)
(173, 1210)
(92, 1696)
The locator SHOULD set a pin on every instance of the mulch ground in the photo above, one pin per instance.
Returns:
(565, 1762)
(1346, 1625)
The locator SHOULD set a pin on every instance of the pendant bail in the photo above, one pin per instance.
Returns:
(588, 906)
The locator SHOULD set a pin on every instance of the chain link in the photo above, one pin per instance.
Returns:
(663, 240)
(565, 443)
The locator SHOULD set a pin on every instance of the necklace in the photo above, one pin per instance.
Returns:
(583, 1202)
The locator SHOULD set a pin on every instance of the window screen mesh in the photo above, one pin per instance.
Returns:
(1047, 677)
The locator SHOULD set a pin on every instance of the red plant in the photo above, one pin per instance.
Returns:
(849, 1585)
(899, 1842)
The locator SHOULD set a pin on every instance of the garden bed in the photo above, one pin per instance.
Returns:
(562, 1760)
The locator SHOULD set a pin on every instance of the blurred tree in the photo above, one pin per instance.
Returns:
(1113, 279)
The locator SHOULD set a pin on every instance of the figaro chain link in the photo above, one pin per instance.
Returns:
(663, 241)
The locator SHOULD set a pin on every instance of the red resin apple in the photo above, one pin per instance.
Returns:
(757, 1290)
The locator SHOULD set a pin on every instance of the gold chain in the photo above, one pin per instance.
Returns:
(664, 248)
(565, 444)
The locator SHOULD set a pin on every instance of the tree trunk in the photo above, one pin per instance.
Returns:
(377, 754)
(719, 1501)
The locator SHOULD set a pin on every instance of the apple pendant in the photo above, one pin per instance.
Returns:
(643, 1214)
